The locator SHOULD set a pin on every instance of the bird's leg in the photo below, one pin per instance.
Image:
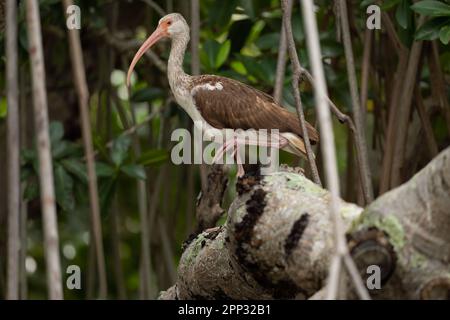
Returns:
(240, 171)
(225, 147)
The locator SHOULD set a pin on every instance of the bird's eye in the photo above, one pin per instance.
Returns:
(169, 23)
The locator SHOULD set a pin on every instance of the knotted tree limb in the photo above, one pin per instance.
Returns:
(407, 232)
(278, 241)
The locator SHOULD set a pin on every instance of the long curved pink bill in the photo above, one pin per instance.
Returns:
(155, 36)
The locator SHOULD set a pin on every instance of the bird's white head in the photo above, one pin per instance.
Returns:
(170, 26)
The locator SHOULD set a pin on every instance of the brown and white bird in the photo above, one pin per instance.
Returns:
(219, 102)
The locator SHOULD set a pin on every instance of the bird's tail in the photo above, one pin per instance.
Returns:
(296, 144)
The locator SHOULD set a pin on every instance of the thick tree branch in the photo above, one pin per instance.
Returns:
(270, 251)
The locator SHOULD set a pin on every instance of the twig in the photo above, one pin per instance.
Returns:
(281, 64)
(297, 73)
(13, 129)
(49, 219)
(365, 174)
(328, 149)
(76, 55)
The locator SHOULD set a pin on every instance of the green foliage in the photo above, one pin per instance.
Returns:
(68, 169)
(439, 24)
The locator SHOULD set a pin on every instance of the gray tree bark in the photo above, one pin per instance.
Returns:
(277, 242)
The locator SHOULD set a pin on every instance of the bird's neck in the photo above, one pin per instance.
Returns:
(177, 77)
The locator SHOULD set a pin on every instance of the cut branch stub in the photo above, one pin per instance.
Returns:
(372, 247)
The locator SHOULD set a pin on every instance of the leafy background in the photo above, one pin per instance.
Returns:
(238, 39)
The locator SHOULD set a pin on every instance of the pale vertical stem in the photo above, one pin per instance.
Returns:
(49, 219)
(297, 73)
(142, 195)
(281, 63)
(13, 146)
(76, 55)
(356, 106)
(328, 150)
(195, 37)
(195, 64)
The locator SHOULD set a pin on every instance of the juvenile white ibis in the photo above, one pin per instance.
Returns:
(219, 102)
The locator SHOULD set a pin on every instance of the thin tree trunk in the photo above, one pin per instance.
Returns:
(13, 133)
(392, 123)
(404, 110)
(329, 154)
(24, 143)
(76, 55)
(49, 219)
(281, 64)
(297, 73)
(356, 105)
(195, 67)
(115, 239)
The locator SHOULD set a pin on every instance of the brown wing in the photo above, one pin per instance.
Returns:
(227, 103)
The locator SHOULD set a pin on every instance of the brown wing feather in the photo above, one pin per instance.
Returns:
(239, 106)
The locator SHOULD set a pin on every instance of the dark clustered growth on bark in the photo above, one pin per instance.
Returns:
(255, 208)
(188, 241)
(296, 233)
(251, 179)
(283, 289)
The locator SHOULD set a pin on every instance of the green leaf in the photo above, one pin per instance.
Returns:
(430, 30)
(77, 168)
(62, 149)
(403, 14)
(119, 150)
(134, 171)
(223, 53)
(209, 53)
(153, 157)
(432, 8)
(56, 132)
(444, 34)
(220, 12)
(3, 108)
(268, 41)
(104, 170)
(64, 189)
(147, 94)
